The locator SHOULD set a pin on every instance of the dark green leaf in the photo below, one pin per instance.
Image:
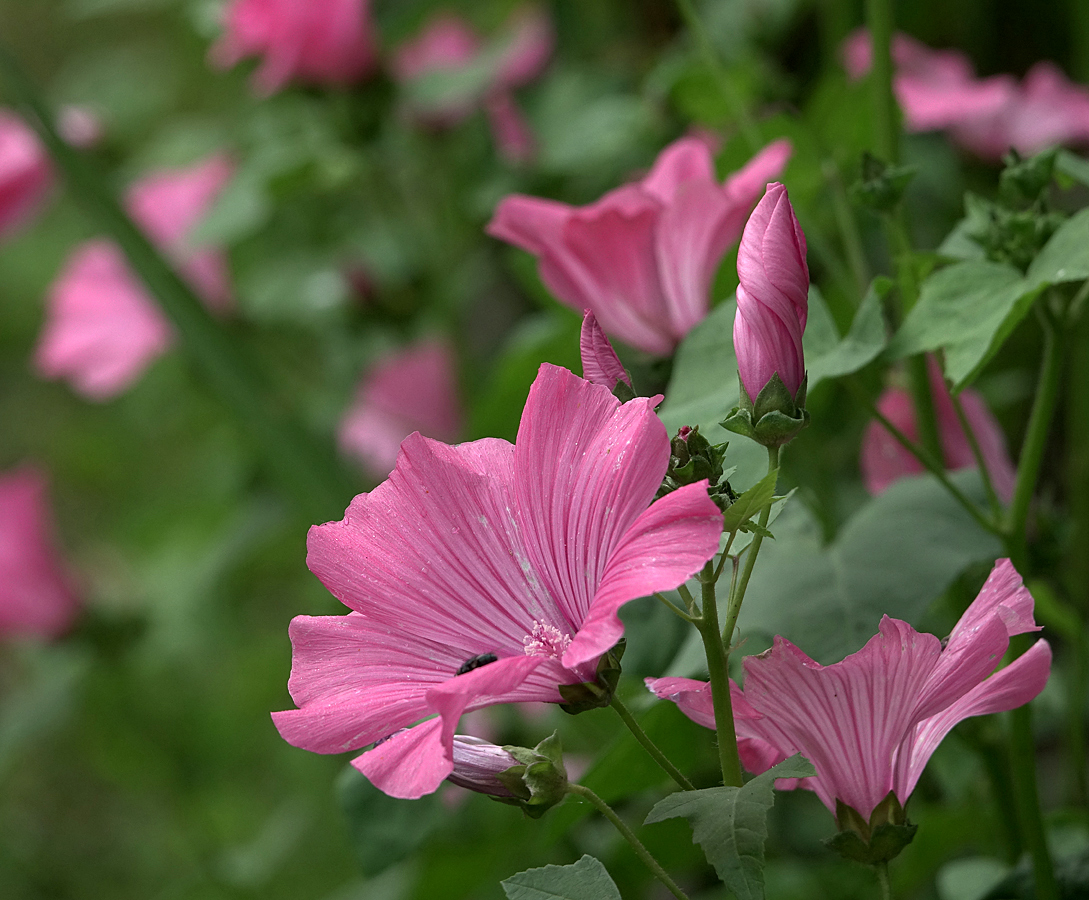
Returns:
(865, 339)
(750, 503)
(730, 824)
(583, 880)
(1066, 256)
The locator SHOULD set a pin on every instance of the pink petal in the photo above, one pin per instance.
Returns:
(528, 48)
(411, 764)
(1017, 684)
(446, 42)
(511, 132)
(26, 175)
(665, 546)
(883, 459)
(37, 597)
(600, 363)
(692, 697)
(686, 159)
(1003, 594)
(992, 444)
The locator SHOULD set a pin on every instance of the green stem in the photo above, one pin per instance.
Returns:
(930, 464)
(609, 813)
(977, 454)
(1032, 451)
(304, 468)
(1023, 765)
(719, 671)
(885, 110)
(745, 122)
(882, 869)
(673, 607)
(643, 738)
(848, 230)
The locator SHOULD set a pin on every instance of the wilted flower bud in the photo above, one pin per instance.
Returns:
(534, 780)
(772, 304)
(600, 364)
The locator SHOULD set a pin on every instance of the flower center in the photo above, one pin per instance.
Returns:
(546, 640)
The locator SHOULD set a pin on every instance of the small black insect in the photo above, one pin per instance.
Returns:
(475, 662)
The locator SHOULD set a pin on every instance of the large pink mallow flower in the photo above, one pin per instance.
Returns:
(772, 296)
(465, 74)
(26, 175)
(413, 390)
(102, 329)
(504, 563)
(322, 42)
(870, 723)
(643, 257)
(37, 597)
(884, 460)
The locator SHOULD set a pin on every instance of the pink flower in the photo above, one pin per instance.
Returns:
(37, 598)
(413, 390)
(102, 330)
(325, 42)
(600, 364)
(505, 563)
(772, 296)
(884, 460)
(450, 72)
(643, 257)
(25, 173)
(870, 723)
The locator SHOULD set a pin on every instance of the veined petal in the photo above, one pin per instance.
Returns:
(585, 468)
(1007, 689)
(849, 718)
(410, 764)
(692, 697)
(686, 159)
(1004, 594)
(667, 544)
(600, 363)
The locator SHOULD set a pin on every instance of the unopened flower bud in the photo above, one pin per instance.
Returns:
(533, 779)
(600, 364)
(772, 305)
(693, 458)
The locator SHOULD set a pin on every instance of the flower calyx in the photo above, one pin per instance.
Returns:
(539, 781)
(881, 186)
(693, 458)
(776, 416)
(877, 841)
(587, 695)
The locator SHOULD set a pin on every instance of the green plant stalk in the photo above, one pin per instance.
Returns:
(882, 870)
(1032, 450)
(849, 233)
(745, 122)
(719, 671)
(306, 471)
(643, 738)
(1023, 765)
(977, 454)
(609, 813)
(885, 111)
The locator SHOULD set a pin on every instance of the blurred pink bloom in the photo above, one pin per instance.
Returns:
(413, 390)
(884, 460)
(870, 723)
(600, 363)
(772, 296)
(102, 330)
(643, 257)
(25, 173)
(506, 563)
(477, 75)
(37, 598)
(325, 42)
(80, 126)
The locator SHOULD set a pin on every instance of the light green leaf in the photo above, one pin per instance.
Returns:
(968, 309)
(750, 503)
(1072, 165)
(730, 824)
(895, 555)
(1066, 256)
(583, 880)
(865, 339)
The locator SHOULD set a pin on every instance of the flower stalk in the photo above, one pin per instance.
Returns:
(643, 738)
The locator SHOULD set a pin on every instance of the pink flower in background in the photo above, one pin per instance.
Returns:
(643, 257)
(870, 723)
(25, 173)
(80, 126)
(413, 390)
(600, 364)
(102, 329)
(37, 598)
(324, 42)
(448, 72)
(505, 563)
(772, 296)
(884, 460)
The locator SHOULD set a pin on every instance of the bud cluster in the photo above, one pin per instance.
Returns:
(693, 458)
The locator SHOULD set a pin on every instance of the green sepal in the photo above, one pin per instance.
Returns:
(587, 695)
(1026, 180)
(693, 458)
(624, 391)
(776, 416)
(540, 781)
(877, 841)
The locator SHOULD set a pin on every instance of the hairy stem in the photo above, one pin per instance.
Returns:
(643, 738)
(718, 669)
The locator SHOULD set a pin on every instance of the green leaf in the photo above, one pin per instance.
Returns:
(865, 339)
(1072, 165)
(750, 503)
(583, 880)
(895, 555)
(703, 389)
(1066, 256)
(968, 309)
(730, 824)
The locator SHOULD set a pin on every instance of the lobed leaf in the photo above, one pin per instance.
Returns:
(586, 879)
